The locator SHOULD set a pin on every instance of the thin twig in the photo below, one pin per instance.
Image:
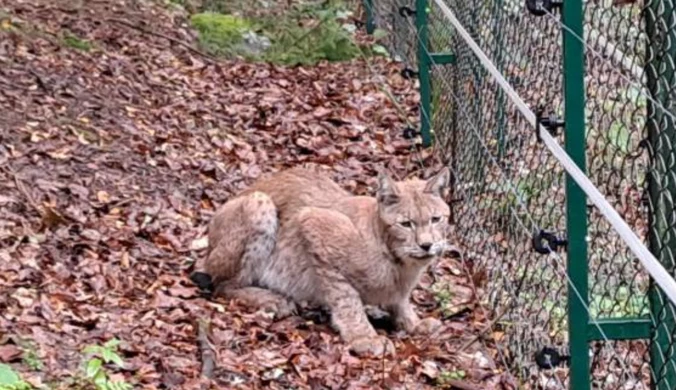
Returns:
(22, 189)
(206, 349)
(492, 323)
(209, 58)
(461, 385)
(483, 331)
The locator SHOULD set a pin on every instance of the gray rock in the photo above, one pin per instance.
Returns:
(254, 44)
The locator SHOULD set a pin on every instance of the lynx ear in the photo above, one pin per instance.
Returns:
(387, 190)
(438, 182)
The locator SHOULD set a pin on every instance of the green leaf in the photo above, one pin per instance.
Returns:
(107, 355)
(116, 359)
(379, 33)
(92, 350)
(8, 376)
(120, 386)
(112, 343)
(100, 380)
(93, 368)
(381, 50)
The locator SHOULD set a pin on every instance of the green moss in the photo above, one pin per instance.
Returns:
(220, 34)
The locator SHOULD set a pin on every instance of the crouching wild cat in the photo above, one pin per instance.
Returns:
(299, 237)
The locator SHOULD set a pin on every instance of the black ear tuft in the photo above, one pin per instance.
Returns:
(387, 189)
(203, 281)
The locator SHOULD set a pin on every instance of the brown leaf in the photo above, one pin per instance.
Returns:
(9, 353)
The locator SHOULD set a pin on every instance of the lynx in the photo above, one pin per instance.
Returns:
(297, 236)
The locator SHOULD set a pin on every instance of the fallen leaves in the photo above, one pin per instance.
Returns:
(118, 158)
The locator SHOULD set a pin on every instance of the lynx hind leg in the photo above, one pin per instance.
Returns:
(242, 236)
(260, 298)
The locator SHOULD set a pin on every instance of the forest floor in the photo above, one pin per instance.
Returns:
(119, 139)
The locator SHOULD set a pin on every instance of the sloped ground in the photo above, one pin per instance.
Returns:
(112, 161)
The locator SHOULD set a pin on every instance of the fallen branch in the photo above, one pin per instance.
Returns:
(206, 349)
(127, 23)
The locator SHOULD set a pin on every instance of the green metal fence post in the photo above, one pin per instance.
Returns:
(661, 187)
(424, 72)
(370, 22)
(576, 203)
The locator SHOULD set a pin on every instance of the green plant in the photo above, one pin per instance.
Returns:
(447, 376)
(95, 371)
(443, 295)
(304, 35)
(10, 380)
(30, 357)
(309, 35)
(220, 34)
(75, 42)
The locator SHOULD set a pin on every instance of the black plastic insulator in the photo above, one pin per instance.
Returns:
(551, 122)
(405, 11)
(410, 133)
(545, 242)
(543, 7)
(548, 358)
(408, 73)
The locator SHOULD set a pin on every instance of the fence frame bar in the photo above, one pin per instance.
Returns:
(442, 58)
(576, 200)
(623, 328)
(659, 71)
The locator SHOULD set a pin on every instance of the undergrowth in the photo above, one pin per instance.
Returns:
(96, 371)
(303, 35)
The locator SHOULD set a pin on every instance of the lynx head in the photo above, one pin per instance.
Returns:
(414, 216)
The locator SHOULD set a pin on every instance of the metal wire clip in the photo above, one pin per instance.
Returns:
(408, 73)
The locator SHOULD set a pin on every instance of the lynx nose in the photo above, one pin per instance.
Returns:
(426, 246)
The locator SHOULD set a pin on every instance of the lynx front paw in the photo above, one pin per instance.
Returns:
(375, 346)
(281, 308)
(427, 326)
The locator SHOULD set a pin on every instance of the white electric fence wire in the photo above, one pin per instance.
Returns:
(593, 320)
(639, 87)
(652, 265)
(528, 231)
(636, 72)
(607, 344)
(643, 92)
(533, 223)
(613, 68)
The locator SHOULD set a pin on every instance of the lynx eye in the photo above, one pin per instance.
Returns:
(406, 224)
(436, 219)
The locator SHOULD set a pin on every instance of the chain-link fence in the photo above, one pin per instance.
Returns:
(586, 315)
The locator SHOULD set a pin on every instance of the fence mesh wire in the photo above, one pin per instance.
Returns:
(510, 186)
